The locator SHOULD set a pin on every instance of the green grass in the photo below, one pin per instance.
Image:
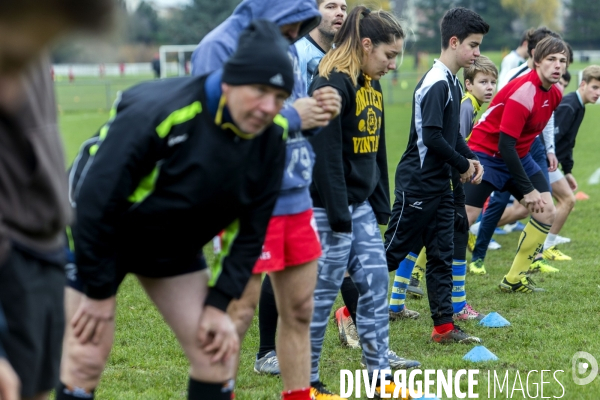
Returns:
(547, 328)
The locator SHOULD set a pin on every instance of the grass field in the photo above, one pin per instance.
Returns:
(546, 330)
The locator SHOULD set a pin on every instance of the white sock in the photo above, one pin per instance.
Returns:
(550, 241)
(475, 228)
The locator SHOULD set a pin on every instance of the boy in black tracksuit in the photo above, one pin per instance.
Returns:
(424, 205)
(178, 161)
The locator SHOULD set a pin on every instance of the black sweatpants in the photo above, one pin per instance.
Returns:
(429, 220)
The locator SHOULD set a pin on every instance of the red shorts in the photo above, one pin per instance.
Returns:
(291, 240)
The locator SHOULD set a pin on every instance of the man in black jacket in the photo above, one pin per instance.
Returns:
(567, 119)
(178, 161)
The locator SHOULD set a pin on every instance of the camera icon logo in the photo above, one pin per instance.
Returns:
(584, 363)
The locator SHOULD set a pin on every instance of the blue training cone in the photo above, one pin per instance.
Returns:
(423, 397)
(480, 353)
(494, 320)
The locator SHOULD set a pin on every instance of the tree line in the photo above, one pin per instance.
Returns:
(576, 20)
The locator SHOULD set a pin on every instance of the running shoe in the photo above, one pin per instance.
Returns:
(320, 392)
(471, 241)
(561, 240)
(456, 335)
(413, 290)
(541, 265)
(468, 313)
(347, 329)
(396, 362)
(525, 285)
(405, 313)
(516, 227)
(389, 390)
(554, 254)
(267, 364)
(494, 245)
(477, 267)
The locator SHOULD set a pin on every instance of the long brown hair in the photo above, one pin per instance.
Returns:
(346, 56)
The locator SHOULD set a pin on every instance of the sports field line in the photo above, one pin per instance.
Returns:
(595, 178)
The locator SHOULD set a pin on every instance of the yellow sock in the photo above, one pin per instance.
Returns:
(421, 262)
(531, 242)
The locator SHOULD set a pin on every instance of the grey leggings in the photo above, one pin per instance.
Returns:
(362, 254)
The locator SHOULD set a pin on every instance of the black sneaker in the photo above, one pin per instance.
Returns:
(456, 335)
(319, 392)
(525, 285)
(413, 290)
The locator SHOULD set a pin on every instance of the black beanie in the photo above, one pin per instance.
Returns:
(261, 58)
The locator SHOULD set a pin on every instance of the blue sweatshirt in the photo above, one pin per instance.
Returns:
(214, 50)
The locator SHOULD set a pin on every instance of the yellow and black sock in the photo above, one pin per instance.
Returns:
(421, 263)
(531, 242)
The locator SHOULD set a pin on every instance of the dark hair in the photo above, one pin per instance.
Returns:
(567, 76)
(570, 55)
(526, 35)
(87, 15)
(550, 45)
(379, 26)
(461, 22)
(535, 36)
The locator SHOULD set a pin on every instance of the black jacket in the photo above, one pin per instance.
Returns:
(163, 176)
(567, 119)
(351, 160)
(435, 144)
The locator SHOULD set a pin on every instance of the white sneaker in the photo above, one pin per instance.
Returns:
(508, 228)
(494, 245)
(475, 228)
(561, 240)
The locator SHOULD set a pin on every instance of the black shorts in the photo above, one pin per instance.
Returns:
(133, 267)
(478, 194)
(32, 296)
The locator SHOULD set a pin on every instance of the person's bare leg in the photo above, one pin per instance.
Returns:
(565, 201)
(81, 365)
(472, 214)
(294, 288)
(242, 311)
(180, 300)
(513, 214)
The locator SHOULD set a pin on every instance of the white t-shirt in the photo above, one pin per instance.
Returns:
(510, 61)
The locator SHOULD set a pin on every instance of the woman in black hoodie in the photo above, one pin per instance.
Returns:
(350, 189)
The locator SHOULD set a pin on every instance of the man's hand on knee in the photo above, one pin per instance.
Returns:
(91, 319)
(571, 181)
(217, 335)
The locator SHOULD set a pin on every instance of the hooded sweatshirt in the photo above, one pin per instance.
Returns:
(34, 208)
(218, 45)
(352, 163)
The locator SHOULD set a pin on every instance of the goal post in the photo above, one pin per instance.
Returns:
(183, 53)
